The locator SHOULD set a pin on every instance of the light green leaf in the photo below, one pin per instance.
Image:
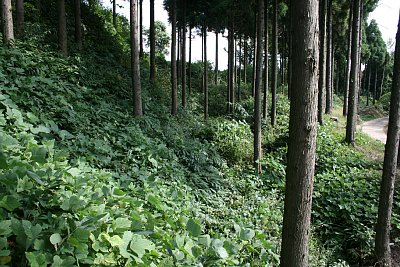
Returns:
(115, 241)
(122, 224)
(39, 154)
(126, 238)
(193, 228)
(55, 239)
(247, 234)
(35, 177)
(5, 227)
(139, 245)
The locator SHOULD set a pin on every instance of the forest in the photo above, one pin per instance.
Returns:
(118, 149)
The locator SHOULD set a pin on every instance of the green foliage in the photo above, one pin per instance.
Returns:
(162, 38)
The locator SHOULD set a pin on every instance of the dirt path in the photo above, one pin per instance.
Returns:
(376, 128)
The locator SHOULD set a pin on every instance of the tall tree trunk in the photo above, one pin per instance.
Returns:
(274, 60)
(152, 38)
(20, 17)
(190, 60)
(205, 73)
(231, 73)
(258, 84)
(368, 83)
(245, 62)
(114, 13)
(216, 59)
(184, 58)
(302, 136)
(354, 77)
(289, 75)
(383, 79)
(8, 29)
(135, 64)
(253, 85)
(174, 97)
(375, 85)
(239, 84)
(322, 62)
(62, 28)
(141, 52)
(229, 81)
(382, 238)
(348, 64)
(328, 108)
(178, 60)
(78, 29)
(266, 61)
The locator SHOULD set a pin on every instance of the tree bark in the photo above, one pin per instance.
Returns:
(114, 13)
(205, 73)
(368, 82)
(231, 94)
(62, 28)
(8, 29)
(266, 61)
(289, 75)
(382, 238)
(274, 60)
(135, 64)
(78, 29)
(258, 85)
(245, 61)
(190, 61)
(152, 44)
(322, 62)
(354, 77)
(184, 60)
(348, 64)
(216, 59)
(239, 84)
(328, 108)
(141, 52)
(302, 135)
(20, 17)
(375, 85)
(174, 97)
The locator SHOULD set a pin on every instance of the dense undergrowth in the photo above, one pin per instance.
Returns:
(83, 183)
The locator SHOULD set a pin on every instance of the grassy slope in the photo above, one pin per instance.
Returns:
(86, 183)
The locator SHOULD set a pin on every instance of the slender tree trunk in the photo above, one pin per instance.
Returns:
(368, 88)
(229, 81)
(375, 85)
(78, 29)
(354, 77)
(322, 62)
(240, 69)
(184, 56)
(20, 17)
(174, 108)
(382, 238)
(302, 136)
(62, 28)
(8, 29)
(258, 85)
(114, 12)
(205, 73)
(152, 38)
(383, 79)
(135, 64)
(328, 108)
(274, 60)
(190, 60)
(290, 50)
(266, 61)
(253, 85)
(231, 70)
(141, 52)
(216, 59)
(245, 62)
(348, 65)
(178, 60)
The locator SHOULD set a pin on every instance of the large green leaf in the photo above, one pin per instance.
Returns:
(140, 245)
(9, 202)
(193, 228)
